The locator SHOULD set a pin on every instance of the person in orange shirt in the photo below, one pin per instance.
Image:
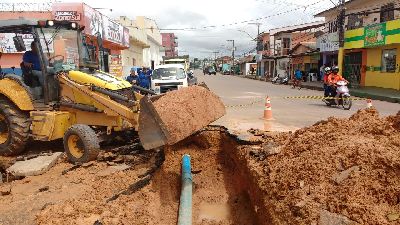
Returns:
(334, 77)
(332, 80)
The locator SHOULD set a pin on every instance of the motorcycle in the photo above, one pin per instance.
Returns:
(280, 80)
(342, 97)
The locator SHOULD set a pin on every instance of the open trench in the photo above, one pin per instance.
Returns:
(146, 193)
(223, 192)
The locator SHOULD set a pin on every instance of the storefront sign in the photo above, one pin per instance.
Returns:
(8, 46)
(374, 35)
(93, 21)
(98, 24)
(116, 65)
(67, 16)
(328, 42)
(113, 31)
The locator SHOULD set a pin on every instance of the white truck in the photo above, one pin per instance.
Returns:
(168, 78)
(183, 62)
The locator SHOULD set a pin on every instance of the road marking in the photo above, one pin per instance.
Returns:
(261, 99)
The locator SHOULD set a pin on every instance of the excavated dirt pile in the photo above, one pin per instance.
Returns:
(188, 110)
(343, 170)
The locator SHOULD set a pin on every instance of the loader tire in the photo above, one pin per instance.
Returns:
(81, 144)
(14, 128)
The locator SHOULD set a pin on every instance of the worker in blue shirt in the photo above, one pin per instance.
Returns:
(143, 79)
(132, 78)
(31, 60)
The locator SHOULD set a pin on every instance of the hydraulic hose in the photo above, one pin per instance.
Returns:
(185, 206)
(145, 90)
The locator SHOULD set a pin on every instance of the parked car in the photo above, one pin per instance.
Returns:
(211, 70)
(168, 78)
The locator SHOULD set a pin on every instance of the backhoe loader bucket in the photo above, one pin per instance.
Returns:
(169, 118)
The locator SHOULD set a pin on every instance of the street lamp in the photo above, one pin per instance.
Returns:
(233, 52)
(258, 40)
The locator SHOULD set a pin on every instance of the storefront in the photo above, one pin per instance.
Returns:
(307, 63)
(305, 57)
(373, 51)
(115, 37)
(328, 45)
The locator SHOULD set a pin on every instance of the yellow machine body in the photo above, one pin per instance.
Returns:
(16, 93)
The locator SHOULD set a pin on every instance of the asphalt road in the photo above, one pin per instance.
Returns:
(288, 114)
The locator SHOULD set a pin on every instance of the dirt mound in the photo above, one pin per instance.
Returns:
(348, 167)
(188, 110)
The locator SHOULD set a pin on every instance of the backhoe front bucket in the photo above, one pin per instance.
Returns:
(169, 118)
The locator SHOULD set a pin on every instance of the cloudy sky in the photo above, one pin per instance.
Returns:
(219, 16)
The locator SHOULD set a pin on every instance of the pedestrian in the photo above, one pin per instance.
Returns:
(133, 76)
(322, 72)
(143, 79)
(298, 76)
(148, 74)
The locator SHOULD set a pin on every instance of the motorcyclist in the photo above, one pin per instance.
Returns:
(333, 78)
(327, 72)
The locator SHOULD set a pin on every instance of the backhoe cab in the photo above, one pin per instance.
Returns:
(69, 98)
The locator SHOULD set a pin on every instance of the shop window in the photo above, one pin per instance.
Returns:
(387, 12)
(389, 60)
(266, 46)
(332, 27)
(286, 42)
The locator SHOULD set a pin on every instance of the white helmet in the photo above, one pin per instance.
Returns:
(328, 70)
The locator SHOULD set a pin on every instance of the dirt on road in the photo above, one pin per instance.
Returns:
(339, 169)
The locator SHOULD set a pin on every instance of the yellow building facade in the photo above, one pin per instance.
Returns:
(379, 46)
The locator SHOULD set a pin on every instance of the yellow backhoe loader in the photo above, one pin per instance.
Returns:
(69, 98)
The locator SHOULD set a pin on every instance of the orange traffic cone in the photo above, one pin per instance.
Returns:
(369, 103)
(267, 109)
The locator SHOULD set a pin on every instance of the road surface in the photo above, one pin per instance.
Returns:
(288, 114)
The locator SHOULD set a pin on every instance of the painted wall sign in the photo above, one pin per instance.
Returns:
(67, 16)
(375, 35)
(7, 43)
(328, 42)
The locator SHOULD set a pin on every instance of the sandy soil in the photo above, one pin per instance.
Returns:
(345, 166)
(188, 110)
(81, 196)
(349, 167)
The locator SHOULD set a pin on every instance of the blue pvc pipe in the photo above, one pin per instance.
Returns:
(185, 206)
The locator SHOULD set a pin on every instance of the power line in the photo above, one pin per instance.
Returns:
(244, 21)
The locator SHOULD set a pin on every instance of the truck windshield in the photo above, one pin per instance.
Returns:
(60, 44)
(169, 73)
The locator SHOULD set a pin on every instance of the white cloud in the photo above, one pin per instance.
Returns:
(191, 13)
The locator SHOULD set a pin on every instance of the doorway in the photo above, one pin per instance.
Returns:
(352, 68)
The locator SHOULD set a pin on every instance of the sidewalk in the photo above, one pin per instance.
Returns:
(375, 93)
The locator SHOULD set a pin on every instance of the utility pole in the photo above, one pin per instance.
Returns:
(340, 23)
(257, 41)
(233, 52)
(215, 59)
